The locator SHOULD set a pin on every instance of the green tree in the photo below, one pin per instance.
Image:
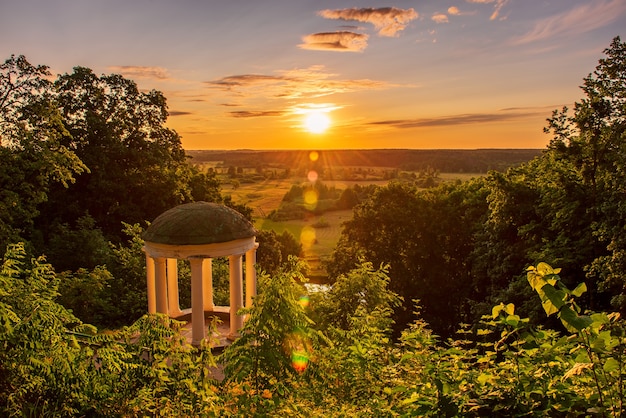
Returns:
(426, 237)
(32, 154)
(275, 249)
(119, 133)
(593, 141)
(39, 355)
(276, 341)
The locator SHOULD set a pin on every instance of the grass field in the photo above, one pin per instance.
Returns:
(318, 243)
(264, 197)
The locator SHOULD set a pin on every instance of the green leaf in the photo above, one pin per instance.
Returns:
(535, 280)
(555, 296)
(510, 308)
(512, 320)
(610, 365)
(572, 321)
(580, 289)
(548, 307)
(484, 378)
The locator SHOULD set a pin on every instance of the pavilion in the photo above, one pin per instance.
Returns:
(199, 232)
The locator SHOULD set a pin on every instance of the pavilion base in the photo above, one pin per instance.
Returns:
(220, 338)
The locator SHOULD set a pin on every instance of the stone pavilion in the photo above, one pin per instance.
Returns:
(199, 232)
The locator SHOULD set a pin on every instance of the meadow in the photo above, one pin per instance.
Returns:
(317, 233)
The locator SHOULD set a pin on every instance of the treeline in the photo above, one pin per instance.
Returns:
(448, 161)
(461, 248)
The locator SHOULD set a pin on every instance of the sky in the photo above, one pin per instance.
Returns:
(340, 74)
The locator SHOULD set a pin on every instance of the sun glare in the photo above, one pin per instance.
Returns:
(316, 122)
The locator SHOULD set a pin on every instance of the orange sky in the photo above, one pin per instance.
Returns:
(420, 74)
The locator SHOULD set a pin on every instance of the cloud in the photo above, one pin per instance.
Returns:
(179, 113)
(440, 18)
(503, 115)
(388, 21)
(243, 80)
(454, 11)
(303, 83)
(581, 19)
(499, 4)
(335, 41)
(255, 113)
(132, 72)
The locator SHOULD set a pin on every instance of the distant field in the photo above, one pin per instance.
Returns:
(324, 239)
(265, 196)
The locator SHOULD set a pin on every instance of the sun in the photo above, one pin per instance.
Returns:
(316, 122)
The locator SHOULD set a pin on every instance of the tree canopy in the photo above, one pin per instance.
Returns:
(461, 248)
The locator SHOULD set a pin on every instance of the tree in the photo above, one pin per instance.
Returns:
(426, 237)
(593, 141)
(275, 249)
(39, 359)
(276, 340)
(135, 162)
(32, 154)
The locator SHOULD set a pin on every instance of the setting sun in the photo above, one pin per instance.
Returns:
(316, 122)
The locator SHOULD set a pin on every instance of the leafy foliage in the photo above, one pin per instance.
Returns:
(32, 152)
(276, 341)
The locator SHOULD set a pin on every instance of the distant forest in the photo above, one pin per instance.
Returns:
(448, 161)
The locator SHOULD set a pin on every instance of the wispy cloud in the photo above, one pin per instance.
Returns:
(304, 83)
(388, 21)
(132, 72)
(581, 19)
(179, 113)
(243, 80)
(503, 115)
(256, 113)
(343, 41)
(498, 5)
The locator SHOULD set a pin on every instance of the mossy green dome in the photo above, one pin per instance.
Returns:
(199, 223)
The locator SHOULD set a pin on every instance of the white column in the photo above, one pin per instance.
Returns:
(198, 332)
(151, 284)
(250, 275)
(207, 272)
(173, 298)
(236, 295)
(161, 285)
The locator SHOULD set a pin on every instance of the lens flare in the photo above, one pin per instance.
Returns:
(310, 197)
(304, 301)
(298, 346)
(314, 155)
(307, 236)
(312, 176)
(299, 360)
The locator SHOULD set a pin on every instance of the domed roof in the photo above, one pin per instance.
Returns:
(199, 223)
